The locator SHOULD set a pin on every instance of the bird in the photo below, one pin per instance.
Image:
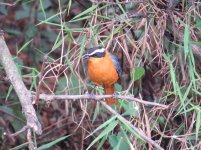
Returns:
(103, 68)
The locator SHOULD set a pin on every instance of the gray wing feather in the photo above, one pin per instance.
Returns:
(117, 64)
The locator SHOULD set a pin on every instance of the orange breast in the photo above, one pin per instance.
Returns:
(102, 70)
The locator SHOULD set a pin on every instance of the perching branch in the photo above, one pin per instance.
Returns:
(23, 94)
(47, 97)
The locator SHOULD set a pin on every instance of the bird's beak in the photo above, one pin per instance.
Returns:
(86, 56)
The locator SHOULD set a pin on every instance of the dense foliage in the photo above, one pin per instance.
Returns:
(158, 43)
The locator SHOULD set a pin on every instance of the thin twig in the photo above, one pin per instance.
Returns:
(20, 131)
(47, 97)
(36, 100)
(141, 134)
(8, 4)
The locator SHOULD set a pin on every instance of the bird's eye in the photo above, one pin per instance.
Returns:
(95, 55)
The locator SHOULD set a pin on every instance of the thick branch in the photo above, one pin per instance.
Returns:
(23, 94)
(47, 97)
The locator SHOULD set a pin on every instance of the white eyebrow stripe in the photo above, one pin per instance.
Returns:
(97, 51)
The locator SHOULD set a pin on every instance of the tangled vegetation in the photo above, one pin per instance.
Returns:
(158, 44)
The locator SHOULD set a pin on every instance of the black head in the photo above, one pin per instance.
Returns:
(96, 52)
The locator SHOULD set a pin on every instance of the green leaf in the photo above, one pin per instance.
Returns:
(126, 139)
(118, 87)
(100, 146)
(121, 142)
(131, 108)
(95, 112)
(24, 46)
(48, 145)
(127, 127)
(74, 86)
(103, 125)
(69, 5)
(80, 19)
(113, 140)
(120, 6)
(137, 73)
(24, 145)
(48, 19)
(31, 31)
(85, 12)
(107, 130)
(9, 91)
(197, 25)
(82, 45)
(118, 142)
(6, 110)
(44, 5)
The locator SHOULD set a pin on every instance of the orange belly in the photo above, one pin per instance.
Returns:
(102, 70)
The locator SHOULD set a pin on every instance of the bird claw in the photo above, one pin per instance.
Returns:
(91, 96)
(114, 95)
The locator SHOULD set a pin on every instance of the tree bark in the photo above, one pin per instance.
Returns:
(22, 92)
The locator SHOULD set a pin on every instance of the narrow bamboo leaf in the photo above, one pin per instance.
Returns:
(46, 20)
(127, 127)
(177, 89)
(48, 145)
(80, 19)
(85, 12)
(196, 43)
(127, 140)
(120, 6)
(9, 91)
(73, 29)
(95, 112)
(187, 110)
(100, 146)
(53, 24)
(24, 145)
(103, 125)
(197, 25)
(137, 73)
(42, 8)
(107, 130)
(103, 17)
(82, 45)
(59, 43)
(187, 92)
(24, 46)
(69, 5)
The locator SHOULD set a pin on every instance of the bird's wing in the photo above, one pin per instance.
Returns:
(117, 64)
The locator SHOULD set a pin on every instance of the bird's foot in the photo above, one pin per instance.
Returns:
(114, 95)
(91, 95)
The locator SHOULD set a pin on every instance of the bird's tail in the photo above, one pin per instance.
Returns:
(110, 90)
